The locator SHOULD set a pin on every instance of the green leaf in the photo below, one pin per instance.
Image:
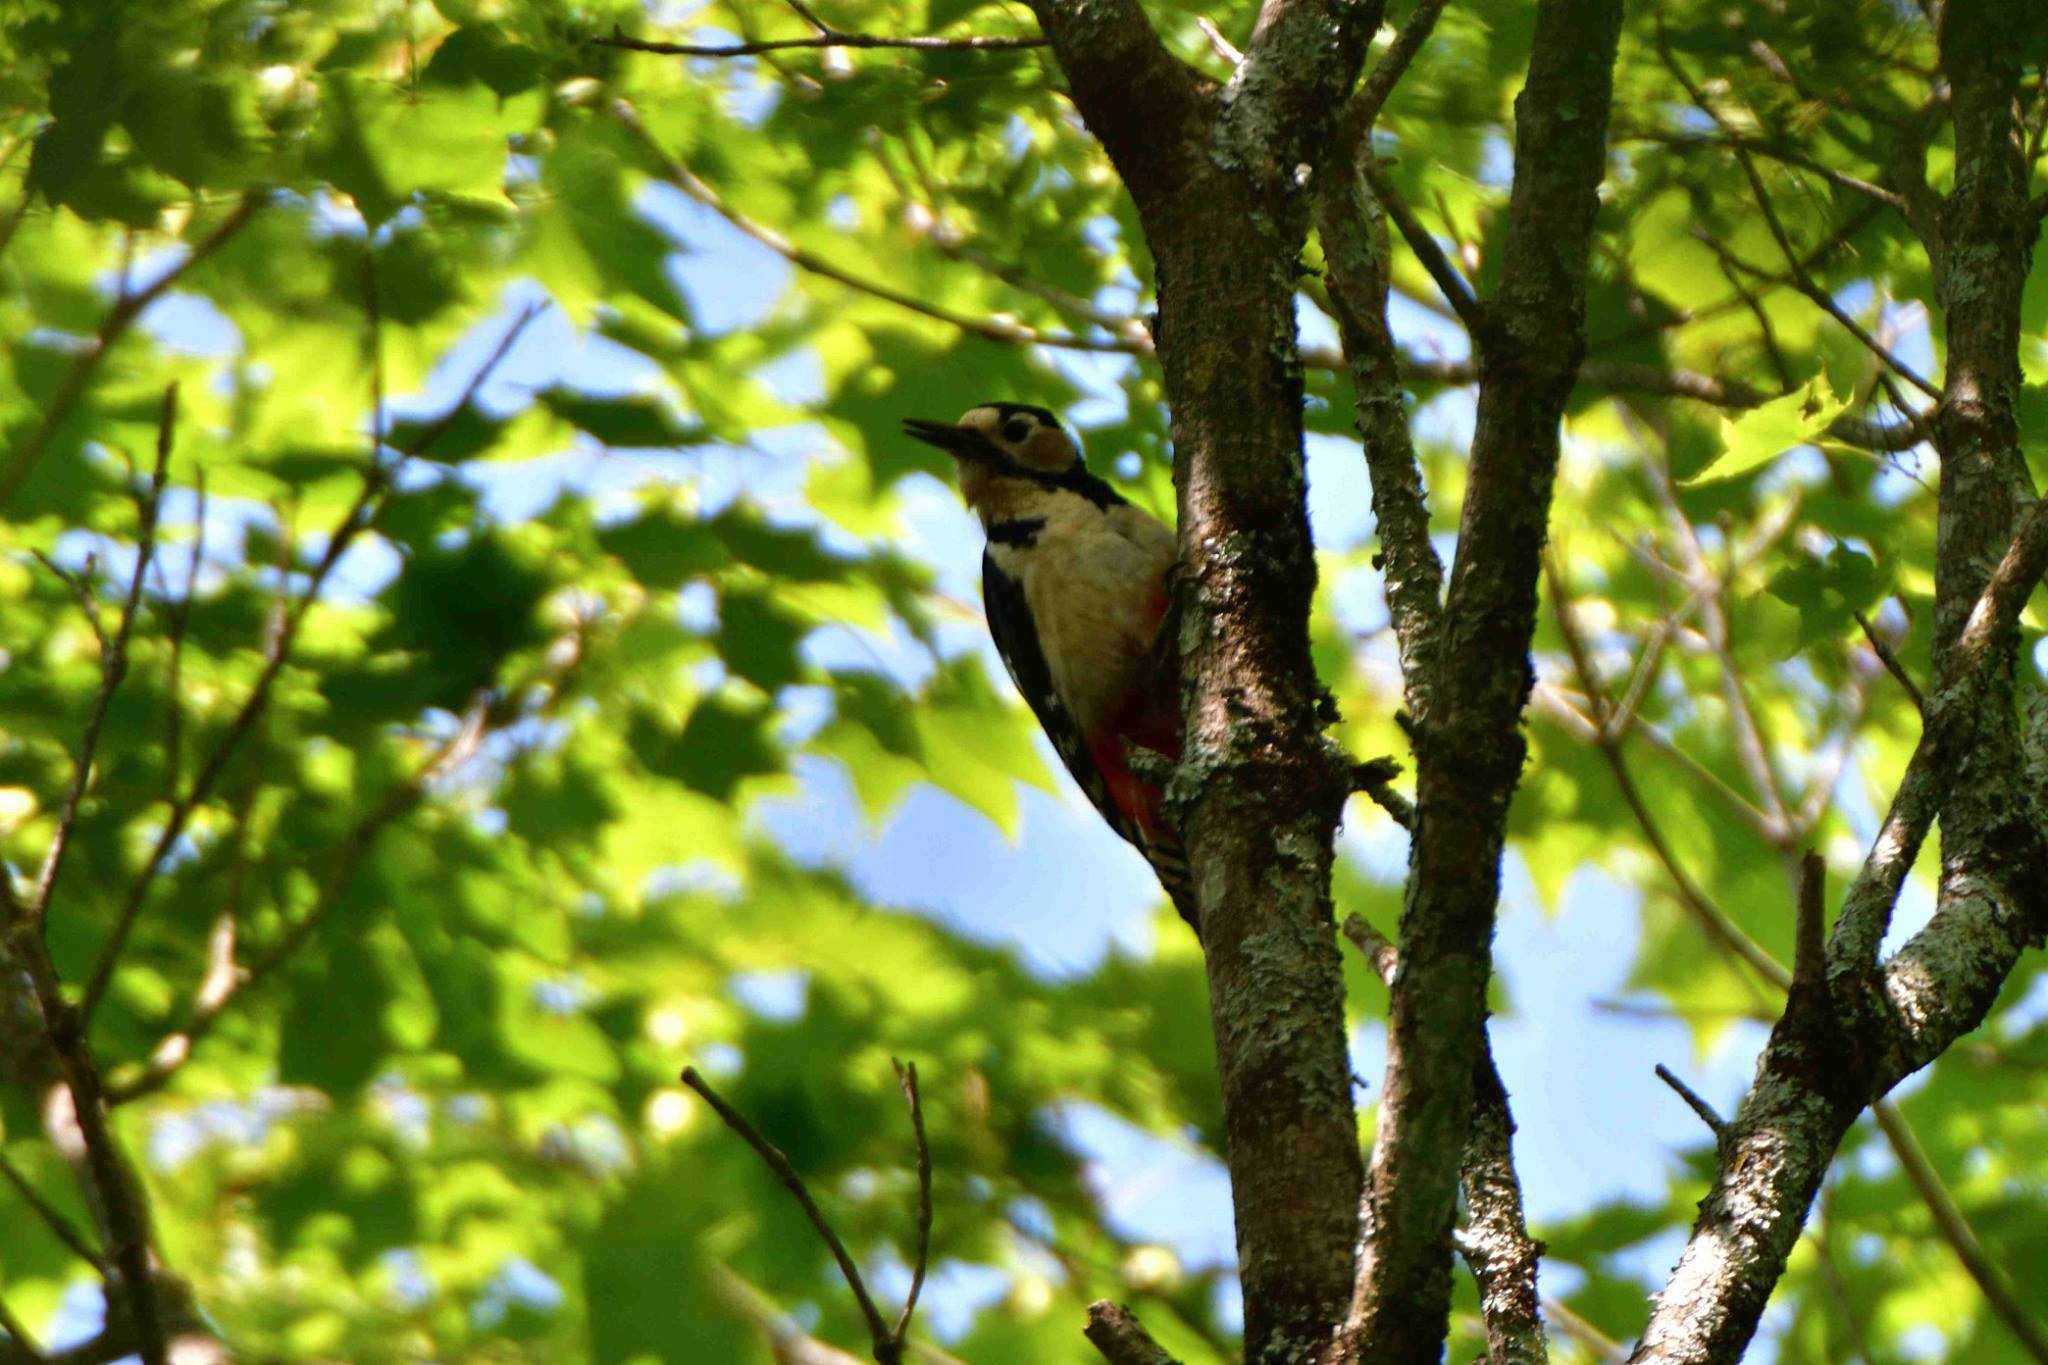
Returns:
(1829, 593)
(1759, 436)
(635, 421)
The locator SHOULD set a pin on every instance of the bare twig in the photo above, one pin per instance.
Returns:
(1226, 51)
(178, 613)
(1809, 944)
(1363, 110)
(906, 1076)
(1603, 1347)
(1694, 1101)
(824, 39)
(1379, 950)
(1376, 780)
(1889, 657)
(1455, 290)
(113, 662)
(788, 1342)
(127, 307)
(1955, 1229)
(885, 1341)
(1116, 1332)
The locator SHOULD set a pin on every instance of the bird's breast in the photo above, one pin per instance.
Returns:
(1096, 598)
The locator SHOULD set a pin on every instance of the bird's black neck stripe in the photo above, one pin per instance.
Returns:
(1019, 531)
(1075, 478)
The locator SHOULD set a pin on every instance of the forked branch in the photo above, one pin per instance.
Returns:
(886, 1341)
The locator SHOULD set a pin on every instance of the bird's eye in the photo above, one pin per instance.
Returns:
(1016, 429)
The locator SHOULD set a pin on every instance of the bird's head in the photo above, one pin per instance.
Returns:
(998, 441)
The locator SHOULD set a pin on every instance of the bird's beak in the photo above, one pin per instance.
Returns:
(963, 443)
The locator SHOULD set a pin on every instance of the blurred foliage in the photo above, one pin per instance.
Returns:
(494, 838)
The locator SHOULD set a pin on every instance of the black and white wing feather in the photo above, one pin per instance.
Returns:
(1016, 637)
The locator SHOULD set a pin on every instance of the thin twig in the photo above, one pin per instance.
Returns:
(1955, 1229)
(1694, 1101)
(906, 1076)
(788, 1342)
(1603, 1347)
(828, 38)
(127, 307)
(1376, 780)
(1373, 92)
(178, 614)
(1229, 53)
(887, 1349)
(1809, 943)
(113, 663)
(1453, 286)
(1889, 657)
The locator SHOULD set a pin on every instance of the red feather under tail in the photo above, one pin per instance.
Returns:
(1141, 804)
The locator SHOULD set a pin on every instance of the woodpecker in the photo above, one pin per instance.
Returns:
(1075, 583)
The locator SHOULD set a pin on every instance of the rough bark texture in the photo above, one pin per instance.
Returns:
(1470, 748)
(1213, 174)
(1356, 265)
(1842, 1044)
(1495, 1242)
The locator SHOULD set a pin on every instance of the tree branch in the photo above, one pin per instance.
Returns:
(113, 661)
(1457, 293)
(1821, 1068)
(1356, 264)
(1258, 790)
(1122, 1340)
(906, 1076)
(887, 1342)
(1470, 750)
(1694, 1101)
(1377, 88)
(1495, 1243)
(1889, 657)
(1955, 1229)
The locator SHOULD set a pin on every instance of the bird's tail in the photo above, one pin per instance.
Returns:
(1170, 864)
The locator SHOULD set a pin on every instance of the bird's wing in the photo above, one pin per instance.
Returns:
(1101, 768)
(1016, 637)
